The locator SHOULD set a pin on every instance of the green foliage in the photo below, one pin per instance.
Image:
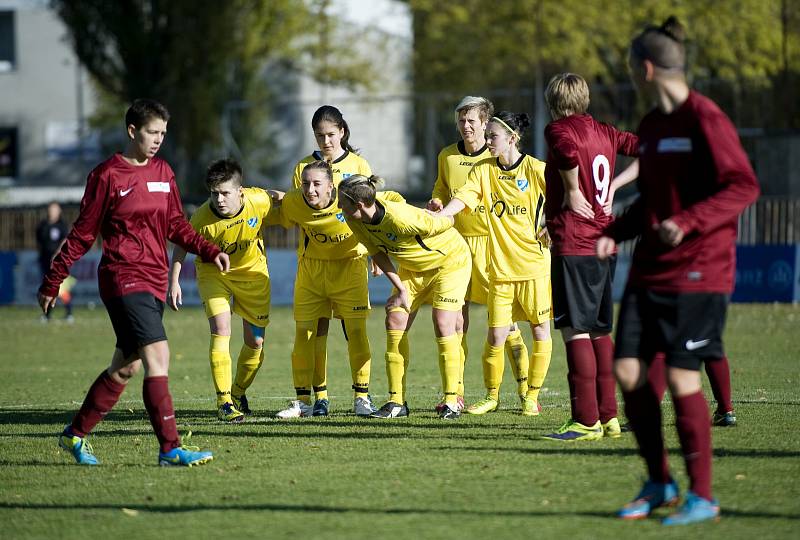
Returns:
(343, 477)
(198, 56)
(478, 44)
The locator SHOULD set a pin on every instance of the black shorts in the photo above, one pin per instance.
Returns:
(137, 320)
(582, 286)
(687, 327)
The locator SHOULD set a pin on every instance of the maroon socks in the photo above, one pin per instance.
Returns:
(158, 403)
(100, 399)
(694, 430)
(606, 383)
(582, 380)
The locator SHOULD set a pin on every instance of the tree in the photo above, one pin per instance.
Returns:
(197, 56)
(479, 45)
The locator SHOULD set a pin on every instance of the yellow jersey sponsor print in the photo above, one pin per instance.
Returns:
(514, 200)
(239, 236)
(454, 165)
(413, 238)
(347, 165)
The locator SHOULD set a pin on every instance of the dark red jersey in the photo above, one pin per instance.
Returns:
(592, 146)
(136, 210)
(693, 170)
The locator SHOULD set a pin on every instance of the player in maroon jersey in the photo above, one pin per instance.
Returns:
(694, 181)
(132, 201)
(580, 163)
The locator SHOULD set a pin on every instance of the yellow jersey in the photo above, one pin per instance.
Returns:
(347, 165)
(239, 236)
(514, 199)
(454, 164)
(413, 238)
(326, 235)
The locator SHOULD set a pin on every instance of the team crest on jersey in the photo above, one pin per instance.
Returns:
(522, 184)
(340, 217)
(391, 236)
(253, 221)
(346, 175)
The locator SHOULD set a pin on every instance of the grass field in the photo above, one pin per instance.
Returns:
(343, 477)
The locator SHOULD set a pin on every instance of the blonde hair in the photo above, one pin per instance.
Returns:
(567, 94)
(484, 106)
(359, 188)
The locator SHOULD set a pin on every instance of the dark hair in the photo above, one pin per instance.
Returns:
(329, 113)
(664, 46)
(143, 111)
(359, 188)
(518, 122)
(222, 170)
(318, 165)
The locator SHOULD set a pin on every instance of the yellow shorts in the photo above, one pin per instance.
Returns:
(339, 286)
(443, 287)
(511, 301)
(478, 291)
(250, 298)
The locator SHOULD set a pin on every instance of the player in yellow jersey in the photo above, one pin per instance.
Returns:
(454, 163)
(231, 219)
(511, 186)
(434, 266)
(331, 276)
(333, 139)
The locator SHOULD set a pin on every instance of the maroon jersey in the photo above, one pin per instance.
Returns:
(592, 146)
(693, 170)
(135, 209)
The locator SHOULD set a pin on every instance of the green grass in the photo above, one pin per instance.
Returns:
(343, 477)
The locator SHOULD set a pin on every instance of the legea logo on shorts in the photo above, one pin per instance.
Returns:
(340, 217)
(522, 184)
(253, 221)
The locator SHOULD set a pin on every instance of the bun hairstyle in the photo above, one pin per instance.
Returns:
(329, 113)
(515, 123)
(664, 46)
(359, 188)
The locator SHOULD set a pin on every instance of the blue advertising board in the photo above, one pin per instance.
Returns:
(766, 274)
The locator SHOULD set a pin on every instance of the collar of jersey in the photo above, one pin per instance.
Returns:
(463, 150)
(380, 211)
(318, 156)
(511, 167)
(220, 216)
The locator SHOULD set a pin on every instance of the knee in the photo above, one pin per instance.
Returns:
(627, 375)
(126, 373)
(541, 332)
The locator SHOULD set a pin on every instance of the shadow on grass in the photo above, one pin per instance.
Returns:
(274, 507)
(573, 450)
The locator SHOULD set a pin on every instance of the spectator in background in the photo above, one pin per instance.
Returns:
(50, 235)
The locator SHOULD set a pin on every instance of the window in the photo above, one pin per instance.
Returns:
(7, 53)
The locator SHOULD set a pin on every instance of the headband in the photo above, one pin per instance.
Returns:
(494, 118)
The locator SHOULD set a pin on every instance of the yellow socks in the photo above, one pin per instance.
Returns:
(320, 380)
(540, 362)
(462, 360)
(396, 364)
(247, 366)
(492, 370)
(449, 366)
(359, 353)
(303, 358)
(517, 354)
(220, 358)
